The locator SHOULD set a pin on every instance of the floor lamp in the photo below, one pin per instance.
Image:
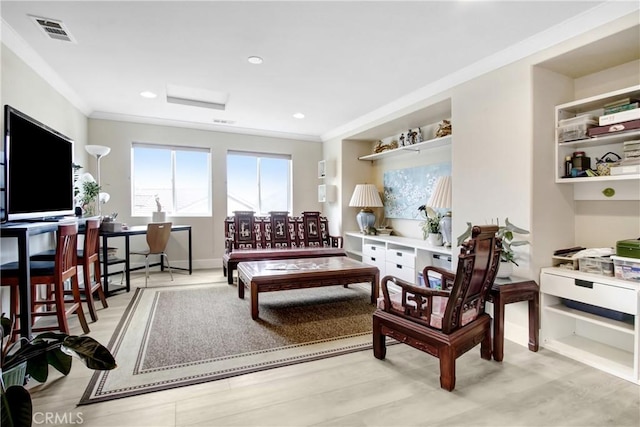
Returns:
(441, 199)
(98, 151)
(365, 196)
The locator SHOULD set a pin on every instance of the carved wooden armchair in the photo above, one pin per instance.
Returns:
(447, 322)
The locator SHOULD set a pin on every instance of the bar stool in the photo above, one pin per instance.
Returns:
(52, 274)
(89, 259)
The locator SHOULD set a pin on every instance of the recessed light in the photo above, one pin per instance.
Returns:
(298, 116)
(148, 94)
(255, 60)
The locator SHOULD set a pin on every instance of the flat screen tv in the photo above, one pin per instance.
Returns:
(38, 169)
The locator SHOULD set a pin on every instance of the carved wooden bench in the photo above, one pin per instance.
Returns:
(249, 237)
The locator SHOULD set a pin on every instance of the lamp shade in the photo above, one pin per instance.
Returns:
(441, 194)
(365, 196)
(97, 150)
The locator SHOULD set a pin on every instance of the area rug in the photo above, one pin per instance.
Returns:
(174, 337)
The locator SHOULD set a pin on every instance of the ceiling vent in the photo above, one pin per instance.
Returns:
(197, 97)
(53, 29)
(224, 122)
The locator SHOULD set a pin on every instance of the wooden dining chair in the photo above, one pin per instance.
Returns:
(158, 234)
(89, 259)
(53, 275)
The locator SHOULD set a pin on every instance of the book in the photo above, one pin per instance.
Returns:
(617, 103)
(619, 117)
(617, 109)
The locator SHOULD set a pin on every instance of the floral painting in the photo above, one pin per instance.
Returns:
(406, 189)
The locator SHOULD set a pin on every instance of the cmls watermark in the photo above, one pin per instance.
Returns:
(66, 418)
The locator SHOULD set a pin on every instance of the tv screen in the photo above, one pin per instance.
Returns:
(39, 169)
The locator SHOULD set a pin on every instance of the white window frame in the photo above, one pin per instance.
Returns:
(173, 149)
(259, 155)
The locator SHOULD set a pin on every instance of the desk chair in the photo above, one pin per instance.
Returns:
(157, 238)
(89, 259)
(53, 275)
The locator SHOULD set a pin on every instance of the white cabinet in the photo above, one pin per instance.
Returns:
(608, 342)
(594, 147)
(402, 257)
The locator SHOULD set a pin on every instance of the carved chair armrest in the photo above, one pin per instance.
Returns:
(446, 276)
(228, 245)
(336, 241)
(413, 302)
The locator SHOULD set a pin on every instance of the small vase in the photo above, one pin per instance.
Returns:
(158, 216)
(434, 239)
(505, 270)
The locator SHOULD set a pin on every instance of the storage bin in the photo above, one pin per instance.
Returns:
(576, 127)
(631, 149)
(628, 248)
(604, 312)
(600, 265)
(626, 268)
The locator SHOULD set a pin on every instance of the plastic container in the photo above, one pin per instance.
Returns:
(631, 149)
(600, 265)
(626, 268)
(576, 127)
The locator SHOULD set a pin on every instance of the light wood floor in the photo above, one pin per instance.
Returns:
(526, 389)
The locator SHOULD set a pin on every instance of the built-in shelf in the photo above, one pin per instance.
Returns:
(424, 145)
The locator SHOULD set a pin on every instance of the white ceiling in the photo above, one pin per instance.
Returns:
(338, 62)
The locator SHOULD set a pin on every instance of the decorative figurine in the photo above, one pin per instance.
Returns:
(444, 129)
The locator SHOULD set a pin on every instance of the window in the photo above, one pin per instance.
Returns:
(258, 182)
(179, 176)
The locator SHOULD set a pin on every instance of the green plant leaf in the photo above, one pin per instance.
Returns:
(60, 361)
(38, 366)
(17, 408)
(91, 352)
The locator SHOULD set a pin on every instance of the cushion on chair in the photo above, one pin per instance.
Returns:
(469, 313)
(49, 255)
(38, 268)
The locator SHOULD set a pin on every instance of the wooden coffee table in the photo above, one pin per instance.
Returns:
(270, 276)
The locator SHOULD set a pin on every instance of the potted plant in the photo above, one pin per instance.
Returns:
(26, 359)
(86, 192)
(507, 233)
(431, 225)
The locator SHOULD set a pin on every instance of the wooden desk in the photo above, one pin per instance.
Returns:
(133, 231)
(23, 231)
(506, 291)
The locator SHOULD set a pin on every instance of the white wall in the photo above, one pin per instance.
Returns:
(208, 237)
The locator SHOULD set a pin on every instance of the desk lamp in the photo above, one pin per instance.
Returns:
(365, 196)
(441, 199)
(98, 151)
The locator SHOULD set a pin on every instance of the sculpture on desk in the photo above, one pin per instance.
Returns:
(158, 215)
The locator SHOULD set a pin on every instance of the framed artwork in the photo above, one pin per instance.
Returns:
(406, 189)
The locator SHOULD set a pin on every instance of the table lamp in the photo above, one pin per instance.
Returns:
(98, 151)
(365, 196)
(441, 199)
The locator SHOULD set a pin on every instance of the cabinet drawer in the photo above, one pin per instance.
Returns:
(373, 250)
(401, 271)
(375, 261)
(590, 292)
(402, 257)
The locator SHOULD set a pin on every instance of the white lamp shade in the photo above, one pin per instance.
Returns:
(365, 196)
(97, 150)
(441, 195)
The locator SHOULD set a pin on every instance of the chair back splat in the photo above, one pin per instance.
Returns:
(445, 322)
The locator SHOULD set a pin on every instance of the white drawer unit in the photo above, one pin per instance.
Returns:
(376, 250)
(403, 272)
(377, 261)
(593, 319)
(398, 256)
(401, 257)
